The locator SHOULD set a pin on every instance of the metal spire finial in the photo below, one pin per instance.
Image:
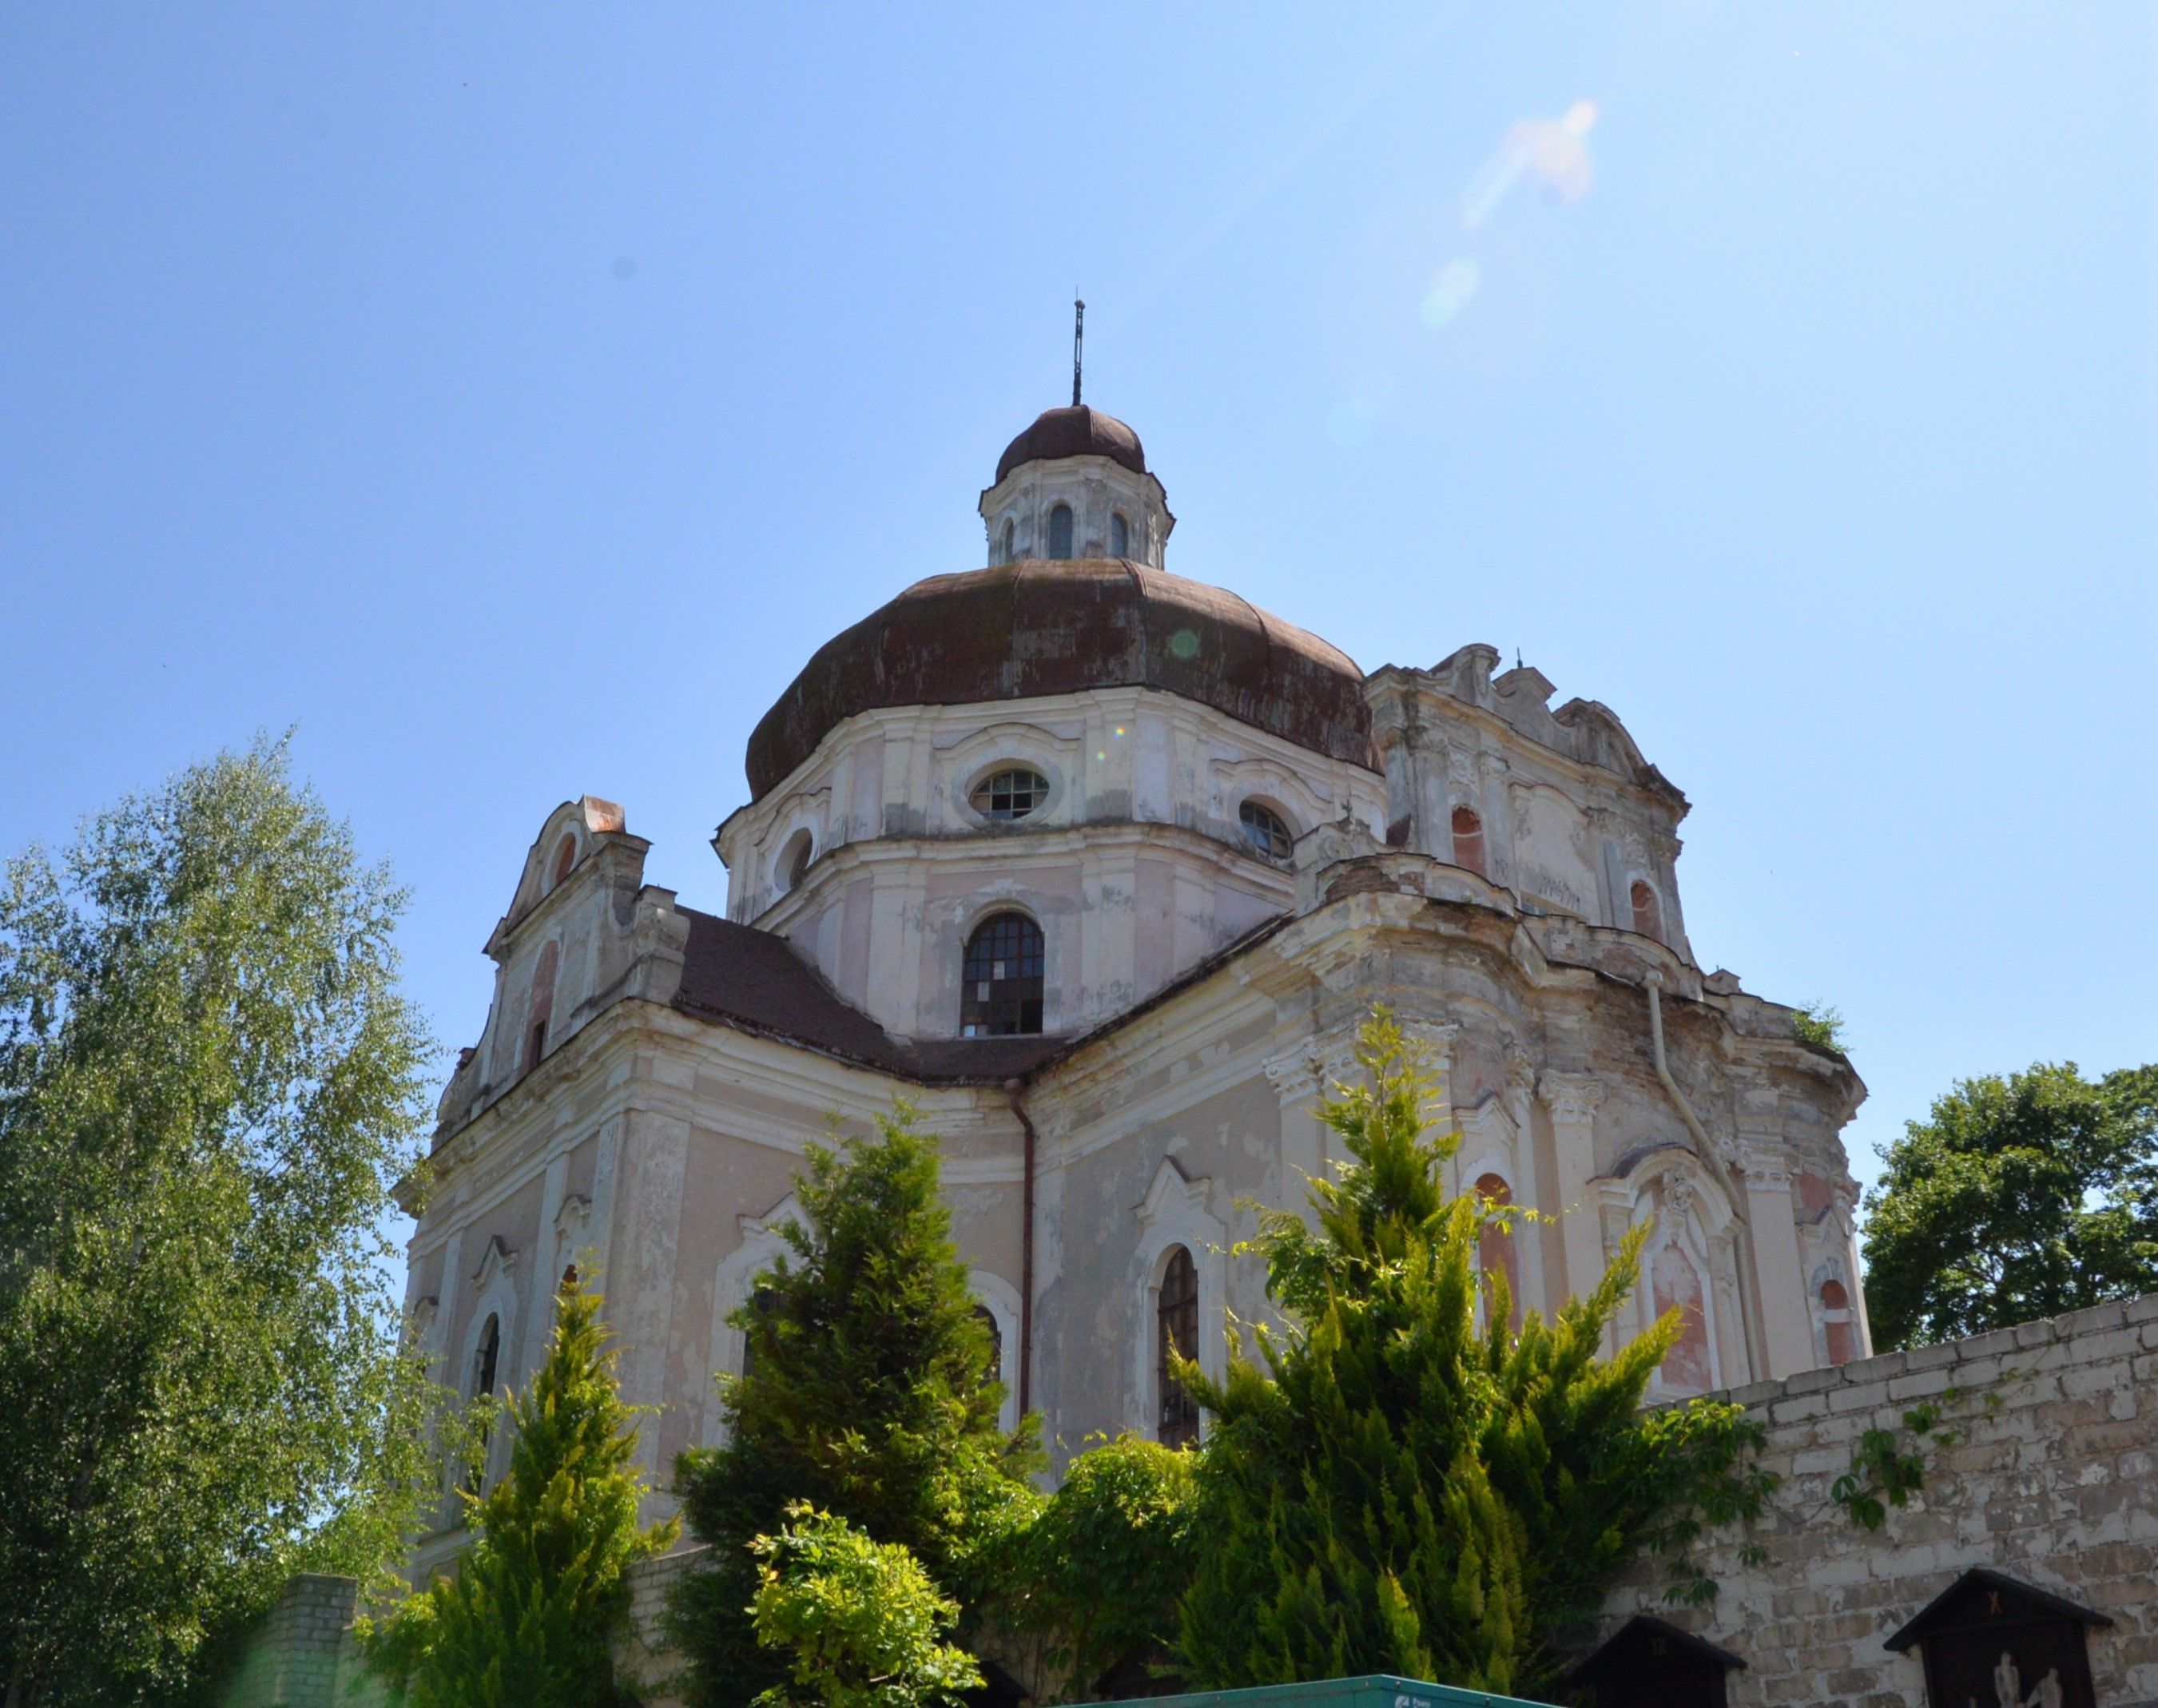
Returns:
(1078, 344)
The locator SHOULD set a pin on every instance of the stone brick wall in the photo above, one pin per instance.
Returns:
(2053, 1480)
(304, 1655)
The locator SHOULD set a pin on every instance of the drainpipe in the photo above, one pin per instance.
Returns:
(1014, 1095)
(1655, 981)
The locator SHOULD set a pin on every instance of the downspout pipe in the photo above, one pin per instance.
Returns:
(1655, 983)
(1015, 1096)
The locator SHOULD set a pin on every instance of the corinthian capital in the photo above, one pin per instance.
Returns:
(1570, 1097)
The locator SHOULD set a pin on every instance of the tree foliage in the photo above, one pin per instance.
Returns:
(527, 1620)
(860, 1623)
(868, 1396)
(1407, 1486)
(2019, 1198)
(1095, 1580)
(210, 1083)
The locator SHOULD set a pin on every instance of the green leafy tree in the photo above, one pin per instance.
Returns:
(868, 1396)
(1095, 1580)
(527, 1620)
(860, 1624)
(2020, 1198)
(1409, 1486)
(210, 1083)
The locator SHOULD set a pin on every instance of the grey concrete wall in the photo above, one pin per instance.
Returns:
(2053, 1481)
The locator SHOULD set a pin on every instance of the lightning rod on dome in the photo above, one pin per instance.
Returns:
(1078, 344)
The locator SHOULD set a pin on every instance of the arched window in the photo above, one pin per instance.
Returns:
(987, 1319)
(1176, 1328)
(1469, 841)
(1675, 1284)
(1009, 546)
(1647, 911)
(762, 1303)
(1003, 979)
(801, 849)
(1120, 536)
(1495, 1251)
(1837, 1318)
(488, 1360)
(541, 1011)
(565, 857)
(1007, 795)
(1060, 531)
(1265, 829)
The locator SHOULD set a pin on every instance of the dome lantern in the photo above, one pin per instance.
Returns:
(1075, 484)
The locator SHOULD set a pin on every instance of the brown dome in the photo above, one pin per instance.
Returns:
(1078, 432)
(1036, 628)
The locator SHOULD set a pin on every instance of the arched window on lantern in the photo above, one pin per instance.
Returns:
(1060, 531)
(1176, 1329)
(1468, 840)
(1001, 979)
(1840, 1323)
(1007, 547)
(1120, 536)
(540, 1011)
(1496, 1253)
(1648, 910)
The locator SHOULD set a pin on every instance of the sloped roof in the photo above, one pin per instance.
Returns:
(754, 980)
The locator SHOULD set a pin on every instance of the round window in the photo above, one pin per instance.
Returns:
(1005, 795)
(1265, 829)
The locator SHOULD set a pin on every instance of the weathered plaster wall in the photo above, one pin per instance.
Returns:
(2054, 1482)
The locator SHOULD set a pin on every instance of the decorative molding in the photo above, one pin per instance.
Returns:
(496, 1259)
(1175, 1213)
(1572, 1098)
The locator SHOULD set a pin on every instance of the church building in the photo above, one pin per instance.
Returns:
(1102, 869)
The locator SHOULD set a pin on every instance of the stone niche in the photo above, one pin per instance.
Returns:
(1649, 1663)
(1989, 1640)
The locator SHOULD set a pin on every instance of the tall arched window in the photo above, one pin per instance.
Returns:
(1176, 1328)
(565, 858)
(1010, 542)
(1837, 1320)
(1647, 911)
(1120, 536)
(1002, 976)
(1495, 1251)
(1060, 531)
(762, 1303)
(987, 1319)
(1468, 840)
(486, 1361)
(541, 1011)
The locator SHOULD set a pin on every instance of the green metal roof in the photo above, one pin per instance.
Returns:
(1375, 1690)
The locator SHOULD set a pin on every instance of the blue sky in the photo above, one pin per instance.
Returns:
(513, 398)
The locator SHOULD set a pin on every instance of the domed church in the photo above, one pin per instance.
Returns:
(1102, 869)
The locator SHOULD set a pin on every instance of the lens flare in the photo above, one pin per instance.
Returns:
(1552, 151)
(1450, 291)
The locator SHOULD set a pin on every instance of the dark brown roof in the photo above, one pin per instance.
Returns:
(1035, 627)
(1078, 432)
(754, 980)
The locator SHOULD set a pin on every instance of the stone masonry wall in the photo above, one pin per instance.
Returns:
(2054, 1481)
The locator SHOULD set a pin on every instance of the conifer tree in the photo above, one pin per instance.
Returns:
(527, 1620)
(868, 1396)
(1409, 1486)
